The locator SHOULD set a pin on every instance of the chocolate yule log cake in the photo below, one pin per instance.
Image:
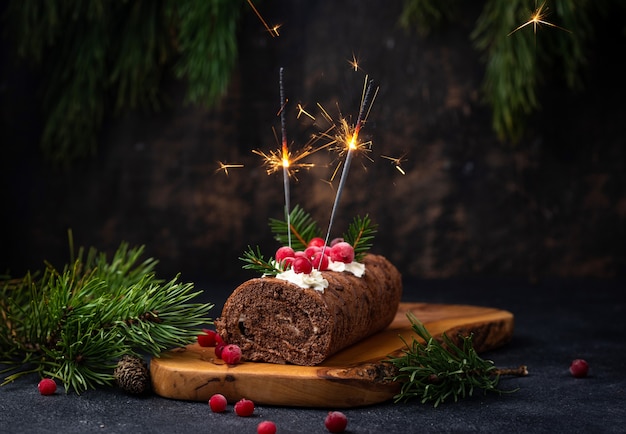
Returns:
(275, 320)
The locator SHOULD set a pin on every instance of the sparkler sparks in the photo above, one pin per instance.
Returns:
(276, 160)
(302, 111)
(224, 167)
(273, 31)
(537, 18)
(397, 162)
(354, 63)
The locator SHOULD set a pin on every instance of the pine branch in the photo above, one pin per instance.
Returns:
(76, 323)
(302, 227)
(434, 371)
(514, 63)
(99, 57)
(256, 262)
(360, 235)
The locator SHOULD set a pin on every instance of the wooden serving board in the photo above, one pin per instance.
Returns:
(356, 376)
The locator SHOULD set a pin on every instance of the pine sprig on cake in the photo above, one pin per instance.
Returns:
(360, 235)
(301, 225)
(256, 262)
(302, 249)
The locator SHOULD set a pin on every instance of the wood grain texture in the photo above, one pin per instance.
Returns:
(354, 377)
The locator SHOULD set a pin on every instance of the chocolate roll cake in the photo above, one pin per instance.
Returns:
(276, 321)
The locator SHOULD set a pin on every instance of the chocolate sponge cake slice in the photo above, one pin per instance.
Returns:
(276, 321)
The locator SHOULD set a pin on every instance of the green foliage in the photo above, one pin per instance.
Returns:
(74, 324)
(434, 371)
(301, 225)
(100, 56)
(256, 262)
(516, 63)
(426, 15)
(360, 235)
(303, 229)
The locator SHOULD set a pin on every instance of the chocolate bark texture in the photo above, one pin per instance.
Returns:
(276, 321)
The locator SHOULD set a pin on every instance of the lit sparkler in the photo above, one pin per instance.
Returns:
(348, 139)
(272, 30)
(537, 18)
(285, 160)
(285, 154)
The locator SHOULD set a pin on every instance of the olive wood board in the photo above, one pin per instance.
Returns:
(356, 376)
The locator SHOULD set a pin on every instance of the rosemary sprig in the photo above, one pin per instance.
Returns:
(75, 324)
(434, 371)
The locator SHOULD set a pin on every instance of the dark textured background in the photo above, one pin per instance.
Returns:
(552, 205)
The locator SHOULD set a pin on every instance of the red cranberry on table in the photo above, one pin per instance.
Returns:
(266, 427)
(579, 368)
(231, 354)
(218, 403)
(207, 338)
(244, 407)
(336, 422)
(47, 386)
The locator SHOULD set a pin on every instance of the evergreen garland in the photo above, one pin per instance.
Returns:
(74, 324)
(101, 56)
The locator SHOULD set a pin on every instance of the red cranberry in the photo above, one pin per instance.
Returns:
(284, 252)
(342, 252)
(317, 241)
(336, 422)
(579, 368)
(266, 427)
(320, 261)
(244, 407)
(218, 403)
(218, 350)
(310, 251)
(47, 386)
(207, 338)
(302, 265)
(231, 354)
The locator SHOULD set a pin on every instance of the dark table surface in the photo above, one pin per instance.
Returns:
(556, 321)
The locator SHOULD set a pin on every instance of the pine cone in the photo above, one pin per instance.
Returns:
(132, 375)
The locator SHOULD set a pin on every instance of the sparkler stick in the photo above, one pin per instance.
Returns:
(285, 150)
(351, 142)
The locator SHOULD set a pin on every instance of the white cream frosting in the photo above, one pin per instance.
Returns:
(312, 280)
(315, 279)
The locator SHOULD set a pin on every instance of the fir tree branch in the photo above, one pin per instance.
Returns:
(98, 57)
(302, 227)
(360, 235)
(256, 262)
(74, 324)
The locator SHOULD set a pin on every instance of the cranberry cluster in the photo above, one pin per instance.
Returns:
(230, 353)
(316, 255)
